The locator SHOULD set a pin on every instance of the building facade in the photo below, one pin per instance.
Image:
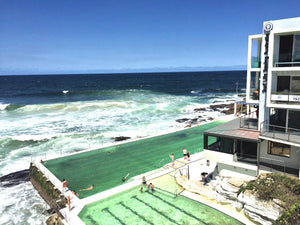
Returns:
(273, 91)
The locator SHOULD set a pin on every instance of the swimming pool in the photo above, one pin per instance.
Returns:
(134, 207)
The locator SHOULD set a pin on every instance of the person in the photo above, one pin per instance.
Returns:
(188, 156)
(207, 163)
(69, 203)
(203, 175)
(184, 153)
(64, 185)
(172, 158)
(144, 183)
(88, 189)
(124, 178)
(151, 186)
(75, 193)
(208, 178)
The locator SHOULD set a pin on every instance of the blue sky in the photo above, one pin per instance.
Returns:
(88, 36)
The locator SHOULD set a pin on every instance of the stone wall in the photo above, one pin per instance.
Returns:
(49, 193)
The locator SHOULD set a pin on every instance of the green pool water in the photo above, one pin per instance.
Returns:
(134, 207)
(105, 167)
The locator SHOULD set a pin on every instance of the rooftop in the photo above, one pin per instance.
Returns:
(232, 129)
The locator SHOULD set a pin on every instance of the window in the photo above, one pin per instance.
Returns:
(219, 144)
(283, 83)
(295, 84)
(279, 149)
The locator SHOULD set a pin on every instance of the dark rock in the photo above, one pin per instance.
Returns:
(121, 138)
(194, 121)
(15, 178)
(182, 120)
(199, 109)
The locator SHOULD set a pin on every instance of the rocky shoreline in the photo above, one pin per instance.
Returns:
(224, 190)
(225, 108)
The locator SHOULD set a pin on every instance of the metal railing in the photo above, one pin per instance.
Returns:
(247, 158)
(286, 64)
(279, 132)
(272, 165)
(173, 194)
(284, 97)
(249, 121)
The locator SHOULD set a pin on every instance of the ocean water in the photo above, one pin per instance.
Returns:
(50, 115)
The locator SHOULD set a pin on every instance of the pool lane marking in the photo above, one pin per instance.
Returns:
(91, 219)
(135, 197)
(136, 213)
(113, 215)
(176, 207)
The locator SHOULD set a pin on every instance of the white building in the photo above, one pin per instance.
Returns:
(269, 140)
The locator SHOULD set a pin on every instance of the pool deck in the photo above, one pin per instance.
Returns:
(197, 163)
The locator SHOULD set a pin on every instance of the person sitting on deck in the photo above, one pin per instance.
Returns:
(88, 189)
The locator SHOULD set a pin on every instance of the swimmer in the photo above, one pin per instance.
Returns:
(124, 178)
(88, 189)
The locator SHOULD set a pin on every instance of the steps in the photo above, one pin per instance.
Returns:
(177, 164)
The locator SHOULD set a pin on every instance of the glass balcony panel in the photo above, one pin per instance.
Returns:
(256, 54)
(254, 86)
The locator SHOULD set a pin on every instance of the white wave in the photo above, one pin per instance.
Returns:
(22, 204)
(65, 91)
(31, 137)
(3, 106)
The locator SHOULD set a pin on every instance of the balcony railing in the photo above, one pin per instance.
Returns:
(275, 166)
(249, 121)
(286, 64)
(246, 158)
(279, 132)
(290, 97)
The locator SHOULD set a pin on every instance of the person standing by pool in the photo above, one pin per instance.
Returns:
(64, 185)
(172, 158)
(184, 153)
(144, 183)
(188, 156)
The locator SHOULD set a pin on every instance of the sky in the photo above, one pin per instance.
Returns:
(100, 36)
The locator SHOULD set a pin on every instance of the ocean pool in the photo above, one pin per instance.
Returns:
(158, 207)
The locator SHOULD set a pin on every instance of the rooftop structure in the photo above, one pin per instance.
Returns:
(268, 138)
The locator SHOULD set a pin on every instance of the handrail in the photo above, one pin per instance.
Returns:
(163, 190)
(279, 132)
(246, 117)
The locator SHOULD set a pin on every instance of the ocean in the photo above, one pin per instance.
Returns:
(50, 115)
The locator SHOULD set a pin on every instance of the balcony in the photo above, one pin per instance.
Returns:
(286, 64)
(249, 121)
(287, 97)
(280, 132)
